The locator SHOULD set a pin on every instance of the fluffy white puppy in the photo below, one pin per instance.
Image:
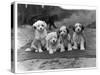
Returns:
(40, 34)
(78, 37)
(52, 42)
(65, 38)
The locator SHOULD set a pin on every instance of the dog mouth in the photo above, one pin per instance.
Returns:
(54, 42)
(41, 29)
(78, 30)
(62, 34)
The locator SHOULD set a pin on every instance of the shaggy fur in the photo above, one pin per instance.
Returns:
(65, 39)
(78, 37)
(52, 42)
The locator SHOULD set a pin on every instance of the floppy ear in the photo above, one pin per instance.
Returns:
(82, 27)
(73, 28)
(58, 33)
(67, 30)
(34, 26)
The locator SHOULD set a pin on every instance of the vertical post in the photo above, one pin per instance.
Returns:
(26, 5)
(42, 6)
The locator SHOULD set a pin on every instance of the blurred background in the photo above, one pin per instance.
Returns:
(62, 16)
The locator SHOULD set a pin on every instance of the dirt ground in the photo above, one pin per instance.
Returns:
(56, 63)
(28, 61)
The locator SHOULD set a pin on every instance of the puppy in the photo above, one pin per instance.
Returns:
(40, 34)
(52, 42)
(78, 37)
(65, 38)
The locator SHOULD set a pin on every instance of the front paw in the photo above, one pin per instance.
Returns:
(69, 49)
(50, 52)
(48, 49)
(28, 49)
(62, 50)
(36, 50)
(40, 50)
(82, 48)
(74, 47)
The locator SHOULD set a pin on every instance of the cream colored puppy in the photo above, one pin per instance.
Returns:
(52, 42)
(78, 37)
(65, 38)
(40, 35)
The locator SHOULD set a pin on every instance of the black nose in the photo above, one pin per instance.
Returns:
(53, 40)
(78, 29)
(41, 28)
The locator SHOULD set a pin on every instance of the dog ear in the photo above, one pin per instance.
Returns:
(34, 27)
(82, 27)
(58, 33)
(67, 30)
(73, 28)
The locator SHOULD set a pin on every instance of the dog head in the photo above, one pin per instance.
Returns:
(40, 25)
(63, 31)
(78, 27)
(52, 38)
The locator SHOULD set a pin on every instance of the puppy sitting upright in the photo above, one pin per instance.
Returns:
(52, 42)
(78, 37)
(40, 34)
(65, 39)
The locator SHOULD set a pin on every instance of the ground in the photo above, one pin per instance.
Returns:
(28, 61)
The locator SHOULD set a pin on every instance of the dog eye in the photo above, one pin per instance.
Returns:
(42, 25)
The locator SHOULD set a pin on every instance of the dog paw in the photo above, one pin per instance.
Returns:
(50, 52)
(47, 49)
(40, 50)
(74, 47)
(82, 49)
(69, 49)
(62, 50)
(36, 50)
(28, 49)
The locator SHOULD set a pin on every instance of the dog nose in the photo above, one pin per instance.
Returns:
(40, 28)
(53, 40)
(78, 29)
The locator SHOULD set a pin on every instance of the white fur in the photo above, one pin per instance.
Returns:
(49, 45)
(40, 35)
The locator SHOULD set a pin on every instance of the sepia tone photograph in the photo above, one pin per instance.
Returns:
(54, 38)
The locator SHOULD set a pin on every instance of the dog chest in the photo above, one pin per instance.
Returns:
(78, 38)
(40, 35)
(64, 40)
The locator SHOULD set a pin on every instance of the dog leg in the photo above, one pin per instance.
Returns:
(47, 45)
(75, 45)
(40, 50)
(50, 51)
(32, 46)
(28, 49)
(62, 48)
(82, 45)
(69, 47)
